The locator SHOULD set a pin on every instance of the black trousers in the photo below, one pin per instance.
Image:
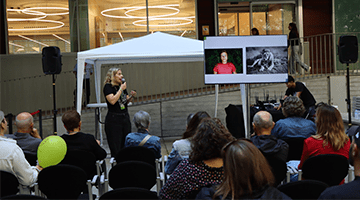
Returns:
(117, 126)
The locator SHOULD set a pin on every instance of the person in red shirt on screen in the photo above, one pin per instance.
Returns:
(224, 67)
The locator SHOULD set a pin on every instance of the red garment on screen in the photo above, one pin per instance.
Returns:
(227, 68)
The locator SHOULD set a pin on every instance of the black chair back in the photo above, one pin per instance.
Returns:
(9, 184)
(62, 181)
(31, 158)
(129, 193)
(305, 189)
(83, 159)
(132, 174)
(136, 153)
(328, 168)
(23, 196)
(278, 168)
(296, 146)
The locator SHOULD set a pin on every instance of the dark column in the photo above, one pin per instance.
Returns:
(79, 25)
(3, 28)
(206, 17)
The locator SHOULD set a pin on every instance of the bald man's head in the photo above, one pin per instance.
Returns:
(24, 122)
(262, 121)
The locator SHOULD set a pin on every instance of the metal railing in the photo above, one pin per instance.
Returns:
(321, 53)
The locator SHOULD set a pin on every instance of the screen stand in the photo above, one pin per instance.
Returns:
(244, 89)
(216, 98)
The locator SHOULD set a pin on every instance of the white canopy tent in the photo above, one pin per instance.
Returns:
(153, 48)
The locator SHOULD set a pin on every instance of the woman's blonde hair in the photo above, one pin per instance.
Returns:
(110, 74)
(330, 127)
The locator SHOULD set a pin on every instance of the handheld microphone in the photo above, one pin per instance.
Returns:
(123, 80)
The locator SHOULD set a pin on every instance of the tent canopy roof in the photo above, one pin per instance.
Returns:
(156, 45)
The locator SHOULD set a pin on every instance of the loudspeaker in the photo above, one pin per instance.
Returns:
(51, 60)
(348, 49)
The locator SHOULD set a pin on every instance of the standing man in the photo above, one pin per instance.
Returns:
(26, 136)
(300, 90)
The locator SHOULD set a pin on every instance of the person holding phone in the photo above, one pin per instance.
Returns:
(224, 67)
(117, 120)
(26, 136)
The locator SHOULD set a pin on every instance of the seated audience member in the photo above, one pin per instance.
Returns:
(349, 190)
(330, 137)
(142, 137)
(26, 136)
(268, 144)
(204, 166)
(181, 148)
(247, 175)
(12, 158)
(293, 126)
(76, 140)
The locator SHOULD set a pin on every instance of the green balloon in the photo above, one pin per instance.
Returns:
(51, 151)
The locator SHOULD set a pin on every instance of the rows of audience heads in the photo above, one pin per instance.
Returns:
(245, 168)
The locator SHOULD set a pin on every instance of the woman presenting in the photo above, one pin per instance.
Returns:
(224, 67)
(117, 121)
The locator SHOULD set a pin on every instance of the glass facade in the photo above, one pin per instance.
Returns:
(35, 24)
(269, 19)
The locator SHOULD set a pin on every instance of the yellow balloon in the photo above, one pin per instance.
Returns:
(51, 151)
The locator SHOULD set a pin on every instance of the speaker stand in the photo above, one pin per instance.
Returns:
(54, 101)
(348, 101)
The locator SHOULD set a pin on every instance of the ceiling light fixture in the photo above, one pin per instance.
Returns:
(60, 38)
(156, 16)
(26, 19)
(183, 33)
(122, 38)
(17, 45)
(41, 29)
(33, 40)
(189, 21)
(30, 10)
(134, 8)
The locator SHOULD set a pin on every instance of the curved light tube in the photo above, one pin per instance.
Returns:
(136, 23)
(139, 8)
(29, 10)
(41, 29)
(156, 16)
(27, 19)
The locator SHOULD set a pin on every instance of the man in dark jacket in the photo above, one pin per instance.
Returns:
(268, 144)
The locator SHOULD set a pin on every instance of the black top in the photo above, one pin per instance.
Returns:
(307, 98)
(292, 37)
(269, 145)
(266, 192)
(346, 191)
(85, 142)
(116, 108)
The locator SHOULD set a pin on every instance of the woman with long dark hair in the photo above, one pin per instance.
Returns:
(181, 148)
(204, 166)
(294, 43)
(224, 67)
(247, 175)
